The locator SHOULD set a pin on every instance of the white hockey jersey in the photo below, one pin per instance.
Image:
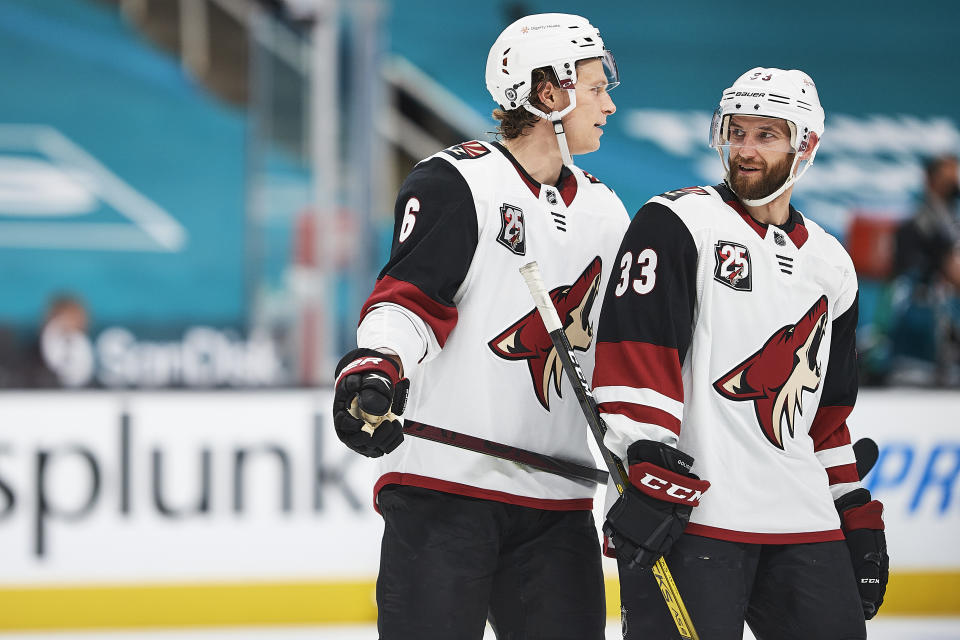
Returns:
(452, 304)
(735, 342)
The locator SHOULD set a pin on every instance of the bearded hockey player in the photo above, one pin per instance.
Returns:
(469, 536)
(726, 352)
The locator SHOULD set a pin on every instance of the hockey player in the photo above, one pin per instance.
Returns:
(726, 352)
(467, 536)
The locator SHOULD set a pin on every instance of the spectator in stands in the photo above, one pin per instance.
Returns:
(927, 267)
(928, 245)
(62, 355)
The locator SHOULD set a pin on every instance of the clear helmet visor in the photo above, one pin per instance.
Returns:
(610, 70)
(757, 132)
(606, 83)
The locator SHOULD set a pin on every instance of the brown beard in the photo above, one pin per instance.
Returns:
(771, 179)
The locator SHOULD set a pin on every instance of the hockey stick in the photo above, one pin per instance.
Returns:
(588, 404)
(539, 461)
(533, 459)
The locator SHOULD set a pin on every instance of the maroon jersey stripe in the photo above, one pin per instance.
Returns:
(568, 189)
(842, 473)
(798, 235)
(756, 226)
(640, 365)
(829, 428)
(441, 318)
(748, 537)
(436, 484)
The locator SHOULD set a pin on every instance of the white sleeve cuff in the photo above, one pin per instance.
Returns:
(623, 432)
(390, 326)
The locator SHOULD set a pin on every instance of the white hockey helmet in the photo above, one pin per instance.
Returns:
(774, 93)
(555, 40)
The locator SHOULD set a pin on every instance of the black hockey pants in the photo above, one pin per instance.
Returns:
(784, 592)
(449, 562)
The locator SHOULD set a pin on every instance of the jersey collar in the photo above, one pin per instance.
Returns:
(566, 185)
(795, 228)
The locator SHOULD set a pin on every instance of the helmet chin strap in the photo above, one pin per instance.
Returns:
(562, 142)
(556, 119)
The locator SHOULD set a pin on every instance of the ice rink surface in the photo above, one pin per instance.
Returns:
(880, 629)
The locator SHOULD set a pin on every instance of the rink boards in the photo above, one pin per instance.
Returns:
(185, 508)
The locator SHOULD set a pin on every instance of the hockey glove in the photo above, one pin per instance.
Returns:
(655, 507)
(862, 522)
(368, 396)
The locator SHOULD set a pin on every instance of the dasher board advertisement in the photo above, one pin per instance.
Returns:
(180, 486)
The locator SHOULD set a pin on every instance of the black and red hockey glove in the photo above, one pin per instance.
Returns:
(368, 397)
(655, 507)
(861, 519)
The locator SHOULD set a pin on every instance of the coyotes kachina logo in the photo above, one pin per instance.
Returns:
(775, 377)
(527, 338)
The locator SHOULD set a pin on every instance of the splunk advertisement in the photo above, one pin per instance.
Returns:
(154, 487)
(188, 508)
(181, 509)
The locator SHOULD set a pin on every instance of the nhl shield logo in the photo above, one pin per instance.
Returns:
(512, 233)
(733, 266)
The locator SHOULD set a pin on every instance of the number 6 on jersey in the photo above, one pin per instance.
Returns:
(646, 277)
(409, 219)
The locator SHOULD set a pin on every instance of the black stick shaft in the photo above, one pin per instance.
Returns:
(539, 461)
(588, 404)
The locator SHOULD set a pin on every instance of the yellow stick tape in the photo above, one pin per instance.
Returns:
(340, 602)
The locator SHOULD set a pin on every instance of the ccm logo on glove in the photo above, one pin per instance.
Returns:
(655, 506)
(662, 484)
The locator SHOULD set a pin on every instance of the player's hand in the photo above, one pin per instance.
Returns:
(862, 521)
(655, 507)
(368, 398)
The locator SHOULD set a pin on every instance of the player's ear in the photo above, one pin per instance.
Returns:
(552, 97)
(547, 94)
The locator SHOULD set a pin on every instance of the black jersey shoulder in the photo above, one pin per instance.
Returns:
(657, 251)
(437, 180)
(435, 230)
(656, 220)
